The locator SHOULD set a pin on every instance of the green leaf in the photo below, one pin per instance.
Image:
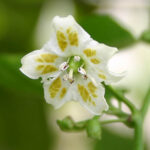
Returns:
(23, 124)
(106, 30)
(11, 77)
(93, 129)
(18, 22)
(146, 36)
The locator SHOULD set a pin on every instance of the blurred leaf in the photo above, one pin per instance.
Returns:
(146, 36)
(93, 129)
(84, 6)
(23, 124)
(106, 30)
(114, 142)
(12, 79)
(18, 21)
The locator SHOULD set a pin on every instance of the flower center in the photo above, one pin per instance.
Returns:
(74, 65)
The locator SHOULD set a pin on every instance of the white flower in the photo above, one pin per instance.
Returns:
(72, 66)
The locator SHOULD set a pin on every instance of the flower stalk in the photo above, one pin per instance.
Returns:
(134, 120)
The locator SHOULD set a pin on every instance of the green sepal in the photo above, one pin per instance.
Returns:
(93, 129)
(66, 124)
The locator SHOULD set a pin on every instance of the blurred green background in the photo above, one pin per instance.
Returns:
(26, 121)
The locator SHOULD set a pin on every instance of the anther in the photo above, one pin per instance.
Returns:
(82, 72)
(77, 58)
(63, 66)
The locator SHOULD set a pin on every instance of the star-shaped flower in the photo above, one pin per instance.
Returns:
(72, 66)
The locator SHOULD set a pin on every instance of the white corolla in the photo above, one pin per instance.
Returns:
(72, 66)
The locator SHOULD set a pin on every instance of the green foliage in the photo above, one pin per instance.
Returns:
(18, 20)
(13, 79)
(114, 142)
(22, 122)
(146, 36)
(106, 30)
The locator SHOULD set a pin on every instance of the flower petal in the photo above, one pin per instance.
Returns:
(67, 36)
(41, 63)
(91, 96)
(57, 91)
(97, 57)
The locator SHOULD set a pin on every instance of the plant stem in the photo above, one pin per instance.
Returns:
(146, 103)
(117, 112)
(112, 121)
(138, 134)
(121, 98)
(139, 119)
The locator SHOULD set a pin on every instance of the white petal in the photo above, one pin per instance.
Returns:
(41, 63)
(97, 56)
(67, 36)
(91, 96)
(57, 91)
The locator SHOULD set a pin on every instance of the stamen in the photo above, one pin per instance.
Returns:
(63, 66)
(70, 77)
(82, 72)
(77, 58)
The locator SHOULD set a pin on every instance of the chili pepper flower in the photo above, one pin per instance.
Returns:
(72, 66)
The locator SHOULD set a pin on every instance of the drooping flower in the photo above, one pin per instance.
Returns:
(72, 66)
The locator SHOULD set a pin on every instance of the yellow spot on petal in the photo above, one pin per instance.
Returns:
(94, 104)
(54, 87)
(40, 67)
(92, 88)
(62, 41)
(89, 53)
(94, 95)
(49, 69)
(40, 60)
(95, 61)
(49, 58)
(63, 92)
(102, 76)
(69, 30)
(72, 36)
(84, 93)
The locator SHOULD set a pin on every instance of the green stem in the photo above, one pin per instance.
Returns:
(117, 112)
(139, 119)
(112, 121)
(138, 134)
(120, 97)
(146, 103)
